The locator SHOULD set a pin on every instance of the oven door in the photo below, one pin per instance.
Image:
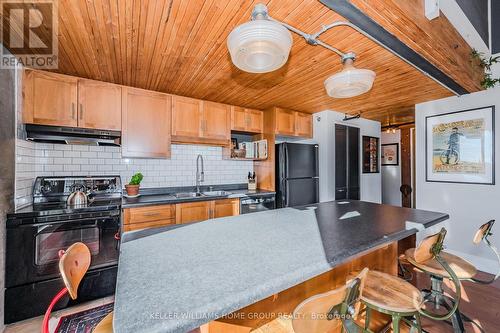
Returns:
(33, 249)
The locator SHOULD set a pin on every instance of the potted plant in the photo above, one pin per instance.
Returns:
(133, 186)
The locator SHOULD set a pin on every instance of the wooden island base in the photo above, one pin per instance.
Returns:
(252, 317)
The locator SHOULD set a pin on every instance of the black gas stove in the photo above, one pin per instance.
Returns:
(35, 235)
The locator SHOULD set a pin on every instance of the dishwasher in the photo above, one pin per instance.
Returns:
(257, 203)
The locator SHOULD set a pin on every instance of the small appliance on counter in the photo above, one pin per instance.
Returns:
(61, 214)
(297, 174)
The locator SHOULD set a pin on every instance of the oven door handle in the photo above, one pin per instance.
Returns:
(42, 226)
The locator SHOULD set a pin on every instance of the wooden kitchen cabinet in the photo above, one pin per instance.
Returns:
(215, 120)
(293, 123)
(148, 217)
(188, 212)
(225, 207)
(285, 122)
(203, 122)
(186, 118)
(146, 123)
(246, 120)
(203, 210)
(304, 126)
(99, 105)
(49, 99)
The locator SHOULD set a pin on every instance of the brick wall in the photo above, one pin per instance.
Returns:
(39, 159)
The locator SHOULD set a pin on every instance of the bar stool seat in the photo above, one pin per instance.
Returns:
(391, 293)
(462, 268)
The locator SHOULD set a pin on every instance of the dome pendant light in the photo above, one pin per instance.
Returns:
(351, 81)
(261, 45)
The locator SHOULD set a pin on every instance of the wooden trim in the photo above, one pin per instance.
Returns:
(391, 42)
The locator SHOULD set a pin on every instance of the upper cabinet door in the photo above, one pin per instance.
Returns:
(285, 122)
(239, 119)
(255, 121)
(50, 99)
(304, 125)
(186, 117)
(146, 123)
(99, 105)
(215, 122)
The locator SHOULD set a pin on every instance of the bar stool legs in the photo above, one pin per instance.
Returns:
(438, 299)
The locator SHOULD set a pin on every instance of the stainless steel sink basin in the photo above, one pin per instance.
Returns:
(189, 195)
(216, 193)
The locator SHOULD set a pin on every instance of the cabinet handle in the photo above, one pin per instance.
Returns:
(81, 111)
(73, 111)
(151, 214)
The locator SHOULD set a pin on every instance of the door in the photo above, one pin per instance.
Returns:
(99, 105)
(239, 119)
(353, 167)
(192, 211)
(145, 123)
(186, 117)
(304, 125)
(255, 121)
(285, 122)
(216, 121)
(226, 207)
(301, 160)
(50, 99)
(340, 162)
(303, 191)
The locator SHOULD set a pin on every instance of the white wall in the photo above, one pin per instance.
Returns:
(38, 159)
(391, 174)
(468, 205)
(324, 134)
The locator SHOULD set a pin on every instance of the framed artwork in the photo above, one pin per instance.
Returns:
(370, 154)
(460, 146)
(390, 154)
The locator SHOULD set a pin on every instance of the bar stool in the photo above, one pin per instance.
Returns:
(464, 270)
(401, 300)
(331, 310)
(73, 264)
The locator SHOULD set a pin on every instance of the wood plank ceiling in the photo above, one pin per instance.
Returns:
(179, 47)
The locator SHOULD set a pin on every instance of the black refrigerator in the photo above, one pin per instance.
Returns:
(297, 174)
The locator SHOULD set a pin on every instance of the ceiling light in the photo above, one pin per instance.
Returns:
(350, 82)
(261, 45)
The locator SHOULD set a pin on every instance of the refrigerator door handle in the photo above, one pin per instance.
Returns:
(285, 161)
(287, 195)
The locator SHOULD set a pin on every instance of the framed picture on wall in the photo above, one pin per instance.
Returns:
(390, 154)
(370, 154)
(460, 146)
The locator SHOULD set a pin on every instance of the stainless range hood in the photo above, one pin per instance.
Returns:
(72, 135)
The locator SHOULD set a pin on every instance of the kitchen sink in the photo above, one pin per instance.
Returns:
(189, 195)
(216, 193)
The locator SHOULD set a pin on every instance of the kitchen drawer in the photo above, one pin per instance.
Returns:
(148, 224)
(149, 214)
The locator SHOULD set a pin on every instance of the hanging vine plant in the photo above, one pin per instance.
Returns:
(489, 81)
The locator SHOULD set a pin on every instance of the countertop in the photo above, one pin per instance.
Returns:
(167, 195)
(180, 278)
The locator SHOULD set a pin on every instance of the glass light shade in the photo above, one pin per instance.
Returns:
(259, 46)
(350, 82)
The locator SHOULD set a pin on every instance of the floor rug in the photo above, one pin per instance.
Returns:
(84, 321)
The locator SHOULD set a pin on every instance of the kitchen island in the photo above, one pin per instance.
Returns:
(178, 279)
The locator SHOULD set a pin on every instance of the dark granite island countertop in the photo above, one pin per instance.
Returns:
(178, 279)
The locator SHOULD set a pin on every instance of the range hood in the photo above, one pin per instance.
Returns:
(72, 135)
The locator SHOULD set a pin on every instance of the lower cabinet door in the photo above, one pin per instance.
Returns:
(226, 207)
(192, 211)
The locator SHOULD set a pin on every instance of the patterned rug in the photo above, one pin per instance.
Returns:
(84, 321)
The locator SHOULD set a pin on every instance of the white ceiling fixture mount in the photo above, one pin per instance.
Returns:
(263, 45)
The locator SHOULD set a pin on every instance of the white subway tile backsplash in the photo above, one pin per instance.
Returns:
(36, 159)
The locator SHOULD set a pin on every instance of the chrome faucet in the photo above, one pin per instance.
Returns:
(200, 176)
